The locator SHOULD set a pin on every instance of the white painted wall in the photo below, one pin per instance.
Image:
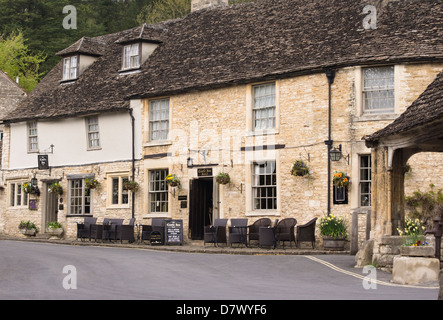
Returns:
(69, 137)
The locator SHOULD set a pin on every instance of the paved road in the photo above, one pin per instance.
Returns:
(36, 271)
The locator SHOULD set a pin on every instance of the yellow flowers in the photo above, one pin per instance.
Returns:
(333, 226)
(341, 180)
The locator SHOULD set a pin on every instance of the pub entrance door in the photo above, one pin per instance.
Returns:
(50, 205)
(201, 206)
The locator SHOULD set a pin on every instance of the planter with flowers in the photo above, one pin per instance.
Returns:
(130, 185)
(55, 229)
(223, 178)
(341, 180)
(30, 189)
(28, 228)
(299, 169)
(91, 183)
(55, 188)
(415, 244)
(334, 232)
(173, 180)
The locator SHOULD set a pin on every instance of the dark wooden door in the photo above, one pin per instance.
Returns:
(201, 206)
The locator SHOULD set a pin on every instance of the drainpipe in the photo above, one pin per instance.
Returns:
(133, 158)
(330, 74)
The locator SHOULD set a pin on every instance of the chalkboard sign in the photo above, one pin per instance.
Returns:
(156, 238)
(174, 232)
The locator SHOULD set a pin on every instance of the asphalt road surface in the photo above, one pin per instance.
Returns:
(61, 272)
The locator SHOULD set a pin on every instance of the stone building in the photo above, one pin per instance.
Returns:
(245, 90)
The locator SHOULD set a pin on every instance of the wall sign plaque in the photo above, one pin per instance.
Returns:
(204, 172)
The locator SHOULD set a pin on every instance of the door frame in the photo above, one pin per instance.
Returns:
(46, 196)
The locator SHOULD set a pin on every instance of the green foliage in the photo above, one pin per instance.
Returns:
(332, 226)
(423, 205)
(28, 225)
(162, 10)
(17, 61)
(41, 23)
(54, 225)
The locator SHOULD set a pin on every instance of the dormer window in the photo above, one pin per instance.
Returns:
(131, 58)
(70, 68)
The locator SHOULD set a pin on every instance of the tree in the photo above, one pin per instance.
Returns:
(17, 61)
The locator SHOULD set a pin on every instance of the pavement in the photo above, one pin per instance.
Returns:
(190, 246)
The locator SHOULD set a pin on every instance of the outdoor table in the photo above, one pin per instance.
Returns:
(266, 237)
(243, 230)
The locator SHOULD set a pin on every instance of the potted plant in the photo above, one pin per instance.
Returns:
(173, 180)
(55, 187)
(415, 244)
(27, 187)
(91, 183)
(334, 232)
(223, 178)
(299, 168)
(28, 228)
(341, 180)
(54, 228)
(130, 185)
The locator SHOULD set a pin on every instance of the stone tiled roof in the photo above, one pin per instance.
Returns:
(255, 41)
(425, 110)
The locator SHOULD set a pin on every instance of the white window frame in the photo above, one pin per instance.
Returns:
(93, 132)
(131, 56)
(159, 119)
(121, 193)
(266, 102)
(154, 193)
(17, 197)
(82, 198)
(70, 67)
(371, 90)
(257, 186)
(362, 182)
(32, 136)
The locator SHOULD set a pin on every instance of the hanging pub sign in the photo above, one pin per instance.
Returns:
(43, 162)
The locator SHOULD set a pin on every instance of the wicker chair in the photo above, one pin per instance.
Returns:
(306, 233)
(254, 229)
(125, 231)
(113, 228)
(217, 233)
(238, 231)
(84, 228)
(97, 229)
(285, 231)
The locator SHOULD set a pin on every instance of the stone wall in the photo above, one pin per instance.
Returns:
(219, 122)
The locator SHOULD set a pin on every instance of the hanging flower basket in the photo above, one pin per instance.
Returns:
(299, 169)
(55, 188)
(223, 178)
(91, 183)
(341, 180)
(130, 185)
(30, 189)
(172, 180)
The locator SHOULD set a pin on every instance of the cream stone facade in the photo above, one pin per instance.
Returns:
(194, 100)
(217, 124)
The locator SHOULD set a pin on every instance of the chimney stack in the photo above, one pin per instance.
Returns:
(202, 4)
